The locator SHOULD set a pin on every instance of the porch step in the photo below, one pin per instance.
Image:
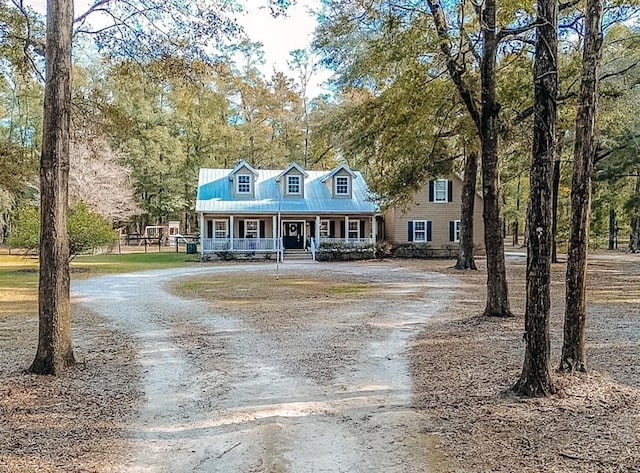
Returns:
(297, 255)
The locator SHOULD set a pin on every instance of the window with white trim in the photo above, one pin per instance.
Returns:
(420, 230)
(220, 229)
(293, 185)
(251, 228)
(342, 185)
(440, 190)
(325, 229)
(354, 230)
(456, 230)
(243, 184)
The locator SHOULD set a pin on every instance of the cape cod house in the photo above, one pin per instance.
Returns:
(432, 218)
(247, 210)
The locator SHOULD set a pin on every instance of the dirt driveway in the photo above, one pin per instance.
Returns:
(247, 389)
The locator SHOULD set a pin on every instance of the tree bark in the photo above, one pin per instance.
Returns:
(497, 289)
(466, 259)
(613, 233)
(535, 379)
(574, 356)
(54, 338)
(554, 209)
(634, 237)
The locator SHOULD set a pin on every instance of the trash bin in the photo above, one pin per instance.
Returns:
(191, 248)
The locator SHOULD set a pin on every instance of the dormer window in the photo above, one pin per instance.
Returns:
(293, 185)
(243, 184)
(342, 186)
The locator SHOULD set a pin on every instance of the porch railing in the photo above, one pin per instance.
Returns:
(212, 245)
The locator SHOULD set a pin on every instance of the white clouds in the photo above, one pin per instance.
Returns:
(284, 34)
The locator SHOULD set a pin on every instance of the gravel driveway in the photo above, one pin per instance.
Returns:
(225, 393)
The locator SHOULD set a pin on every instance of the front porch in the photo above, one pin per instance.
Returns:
(226, 235)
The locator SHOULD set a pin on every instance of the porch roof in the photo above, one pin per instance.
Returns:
(215, 195)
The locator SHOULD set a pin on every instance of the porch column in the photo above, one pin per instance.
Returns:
(374, 229)
(202, 235)
(231, 225)
(346, 229)
(274, 231)
(317, 235)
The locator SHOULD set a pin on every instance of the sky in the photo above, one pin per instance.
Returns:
(278, 35)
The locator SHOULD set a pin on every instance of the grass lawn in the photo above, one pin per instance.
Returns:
(19, 274)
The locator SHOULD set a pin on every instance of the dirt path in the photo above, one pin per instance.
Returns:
(225, 394)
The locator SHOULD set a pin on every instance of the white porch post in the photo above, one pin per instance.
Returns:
(346, 229)
(374, 229)
(231, 225)
(202, 235)
(317, 235)
(274, 231)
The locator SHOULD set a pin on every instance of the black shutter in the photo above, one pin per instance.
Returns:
(410, 231)
(449, 191)
(361, 228)
(428, 231)
(209, 229)
(430, 191)
(452, 230)
(312, 229)
(342, 233)
(332, 229)
(262, 229)
(241, 229)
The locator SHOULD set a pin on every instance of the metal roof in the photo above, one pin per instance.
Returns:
(215, 195)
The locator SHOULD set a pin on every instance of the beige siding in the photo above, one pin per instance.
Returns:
(438, 213)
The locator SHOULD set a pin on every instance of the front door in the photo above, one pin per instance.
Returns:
(293, 235)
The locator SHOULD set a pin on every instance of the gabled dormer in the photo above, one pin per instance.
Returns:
(243, 180)
(291, 181)
(340, 182)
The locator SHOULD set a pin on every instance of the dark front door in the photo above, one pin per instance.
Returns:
(292, 235)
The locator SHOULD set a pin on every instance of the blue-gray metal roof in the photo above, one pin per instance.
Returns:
(215, 195)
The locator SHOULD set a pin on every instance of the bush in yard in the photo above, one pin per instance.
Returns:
(340, 251)
(87, 230)
(25, 228)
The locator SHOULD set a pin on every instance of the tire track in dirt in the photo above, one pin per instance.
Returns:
(218, 396)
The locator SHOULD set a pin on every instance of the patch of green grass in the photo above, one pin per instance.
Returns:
(126, 263)
(349, 289)
(19, 274)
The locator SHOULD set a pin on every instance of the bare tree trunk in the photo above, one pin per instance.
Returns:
(497, 289)
(535, 379)
(54, 340)
(554, 209)
(516, 224)
(634, 237)
(574, 357)
(486, 121)
(613, 233)
(466, 259)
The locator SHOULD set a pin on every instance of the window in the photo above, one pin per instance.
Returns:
(441, 190)
(243, 184)
(293, 185)
(342, 185)
(420, 230)
(354, 230)
(325, 229)
(251, 228)
(454, 230)
(220, 229)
